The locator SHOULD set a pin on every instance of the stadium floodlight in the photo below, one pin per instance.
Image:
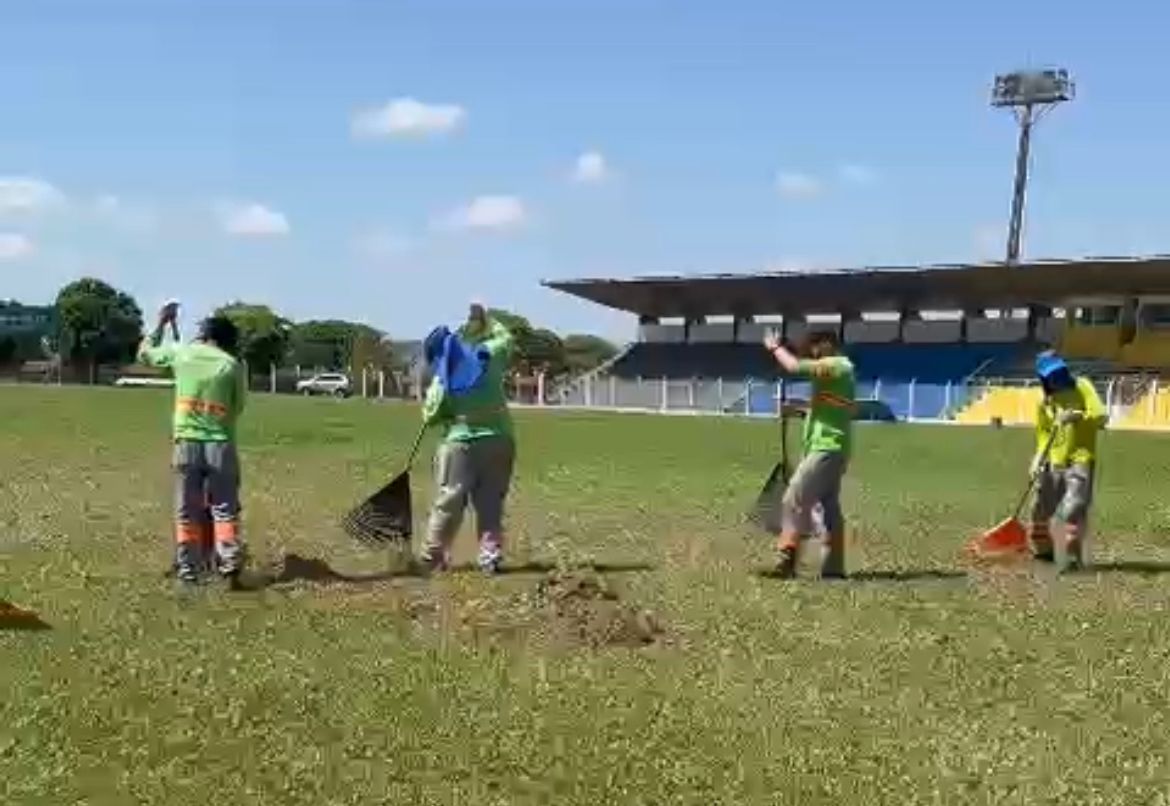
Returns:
(1030, 94)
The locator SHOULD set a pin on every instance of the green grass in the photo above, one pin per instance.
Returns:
(919, 683)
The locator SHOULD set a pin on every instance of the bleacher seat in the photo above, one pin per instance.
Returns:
(892, 363)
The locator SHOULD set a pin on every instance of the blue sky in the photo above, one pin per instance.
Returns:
(385, 161)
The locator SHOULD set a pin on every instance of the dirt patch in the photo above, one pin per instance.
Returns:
(583, 610)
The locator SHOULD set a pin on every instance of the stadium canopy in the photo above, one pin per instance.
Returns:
(1047, 283)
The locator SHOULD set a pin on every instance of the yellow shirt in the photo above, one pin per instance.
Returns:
(1075, 443)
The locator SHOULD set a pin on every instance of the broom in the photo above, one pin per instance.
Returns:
(386, 516)
(1009, 537)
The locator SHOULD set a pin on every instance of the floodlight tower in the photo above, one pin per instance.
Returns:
(1030, 94)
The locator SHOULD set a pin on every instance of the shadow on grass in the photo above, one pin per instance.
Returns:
(908, 575)
(17, 618)
(1141, 567)
(295, 568)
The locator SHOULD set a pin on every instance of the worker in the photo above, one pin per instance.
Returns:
(210, 389)
(474, 461)
(828, 436)
(1069, 417)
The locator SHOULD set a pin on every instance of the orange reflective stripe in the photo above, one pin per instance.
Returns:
(193, 405)
(225, 531)
(830, 399)
(188, 533)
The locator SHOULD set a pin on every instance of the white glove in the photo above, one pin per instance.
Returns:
(1069, 416)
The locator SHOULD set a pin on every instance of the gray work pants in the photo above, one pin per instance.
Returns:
(207, 504)
(478, 472)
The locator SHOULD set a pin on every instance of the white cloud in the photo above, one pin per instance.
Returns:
(251, 219)
(14, 246)
(486, 213)
(798, 185)
(23, 194)
(857, 174)
(408, 117)
(591, 168)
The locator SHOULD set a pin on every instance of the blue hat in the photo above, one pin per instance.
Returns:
(458, 366)
(1048, 364)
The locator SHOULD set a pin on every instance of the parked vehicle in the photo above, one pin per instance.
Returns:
(325, 383)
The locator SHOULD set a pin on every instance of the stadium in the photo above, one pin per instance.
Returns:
(936, 343)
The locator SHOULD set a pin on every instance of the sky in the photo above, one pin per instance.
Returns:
(389, 161)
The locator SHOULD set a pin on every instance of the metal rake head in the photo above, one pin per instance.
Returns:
(384, 517)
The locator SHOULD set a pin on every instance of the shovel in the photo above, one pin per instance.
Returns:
(386, 516)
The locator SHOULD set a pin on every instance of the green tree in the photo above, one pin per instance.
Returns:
(536, 349)
(338, 344)
(97, 324)
(264, 334)
(584, 352)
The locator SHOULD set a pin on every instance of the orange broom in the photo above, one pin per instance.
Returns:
(1008, 539)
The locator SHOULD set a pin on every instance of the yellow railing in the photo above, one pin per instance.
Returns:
(1013, 405)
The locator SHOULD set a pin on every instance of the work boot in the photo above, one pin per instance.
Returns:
(833, 558)
(786, 560)
(1074, 557)
(434, 559)
(1041, 543)
(491, 554)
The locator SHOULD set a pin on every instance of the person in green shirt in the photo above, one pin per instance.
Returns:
(466, 400)
(828, 437)
(1068, 419)
(210, 386)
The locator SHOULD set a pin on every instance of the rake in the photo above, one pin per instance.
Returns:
(386, 516)
(767, 509)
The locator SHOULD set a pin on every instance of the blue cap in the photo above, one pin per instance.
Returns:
(1048, 363)
(458, 366)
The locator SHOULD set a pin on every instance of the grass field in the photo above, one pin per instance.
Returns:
(342, 683)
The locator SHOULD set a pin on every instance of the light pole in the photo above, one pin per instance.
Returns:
(1030, 94)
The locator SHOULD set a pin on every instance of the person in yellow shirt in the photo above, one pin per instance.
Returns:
(1068, 419)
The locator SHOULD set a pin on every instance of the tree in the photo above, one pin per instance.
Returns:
(536, 349)
(97, 324)
(337, 344)
(584, 352)
(264, 334)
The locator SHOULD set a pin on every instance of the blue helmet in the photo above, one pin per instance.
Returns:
(1053, 372)
(458, 366)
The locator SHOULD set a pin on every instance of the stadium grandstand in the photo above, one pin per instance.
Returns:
(942, 343)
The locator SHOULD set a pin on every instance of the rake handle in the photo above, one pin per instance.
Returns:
(414, 448)
(1035, 477)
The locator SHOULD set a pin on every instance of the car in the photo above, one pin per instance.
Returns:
(325, 383)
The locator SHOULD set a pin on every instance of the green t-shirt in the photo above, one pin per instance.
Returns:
(482, 412)
(210, 387)
(829, 425)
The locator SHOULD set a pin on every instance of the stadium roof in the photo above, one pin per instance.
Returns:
(945, 287)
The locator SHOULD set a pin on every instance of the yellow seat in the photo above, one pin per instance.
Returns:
(1014, 405)
(1152, 410)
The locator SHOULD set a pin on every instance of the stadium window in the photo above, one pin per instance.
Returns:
(1156, 315)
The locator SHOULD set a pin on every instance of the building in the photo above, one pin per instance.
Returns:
(935, 342)
(16, 318)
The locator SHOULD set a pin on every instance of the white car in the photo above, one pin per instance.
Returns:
(327, 383)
